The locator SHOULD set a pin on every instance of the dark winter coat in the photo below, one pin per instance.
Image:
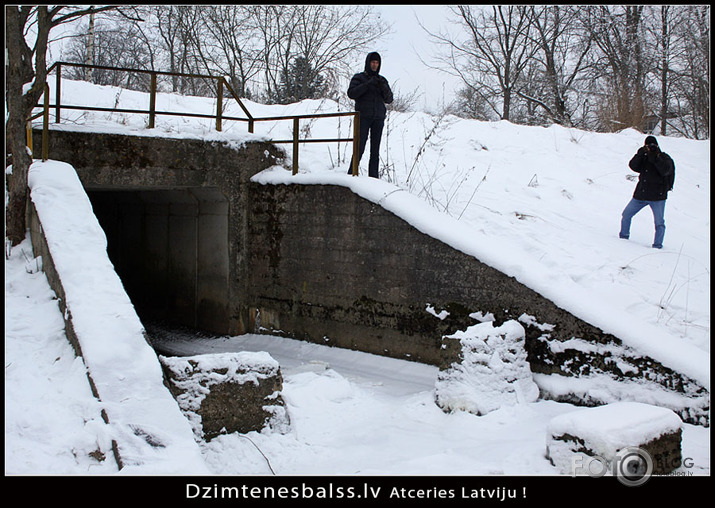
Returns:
(656, 174)
(370, 90)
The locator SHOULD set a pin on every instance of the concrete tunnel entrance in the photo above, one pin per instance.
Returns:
(170, 248)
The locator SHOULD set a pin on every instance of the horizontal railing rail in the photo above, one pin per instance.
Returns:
(152, 112)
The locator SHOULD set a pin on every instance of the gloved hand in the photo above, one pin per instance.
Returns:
(653, 153)
(642, 151)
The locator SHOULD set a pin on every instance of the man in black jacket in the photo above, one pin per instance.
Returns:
(371, 92)
(656, 174)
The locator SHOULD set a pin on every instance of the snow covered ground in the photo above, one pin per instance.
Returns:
(547, 200)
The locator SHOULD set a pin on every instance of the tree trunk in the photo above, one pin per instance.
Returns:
(19, 71)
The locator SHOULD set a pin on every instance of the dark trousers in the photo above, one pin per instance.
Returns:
(374, 126)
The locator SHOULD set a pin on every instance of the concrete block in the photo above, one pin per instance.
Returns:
(228, 392)
(620, 439)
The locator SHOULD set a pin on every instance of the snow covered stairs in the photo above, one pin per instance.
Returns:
(485, 368)
(227, 392)
(630, 440)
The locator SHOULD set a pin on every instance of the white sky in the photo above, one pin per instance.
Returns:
(402, 50)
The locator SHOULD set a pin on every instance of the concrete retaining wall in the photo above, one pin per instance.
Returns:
(331, 267)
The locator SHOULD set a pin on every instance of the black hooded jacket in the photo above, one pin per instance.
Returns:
(370, 90)
(656, 173)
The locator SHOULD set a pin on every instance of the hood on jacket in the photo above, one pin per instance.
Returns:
(373, 56)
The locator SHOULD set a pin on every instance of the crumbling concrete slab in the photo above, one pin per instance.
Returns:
(228, 392)
(619, 439)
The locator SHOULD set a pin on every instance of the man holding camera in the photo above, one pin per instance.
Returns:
(656, 175)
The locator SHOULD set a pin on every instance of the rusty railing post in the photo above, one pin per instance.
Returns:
(295, 146)
(356, 143)
(219, 103)
(28, 135)
(152, 100)
(57, 93)
(46, 124)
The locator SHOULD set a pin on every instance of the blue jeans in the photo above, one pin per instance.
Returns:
(635, 206)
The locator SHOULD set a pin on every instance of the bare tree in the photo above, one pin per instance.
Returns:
(621, 61)
(493, 55)
(275, 27)
(561, 57)
(330, 35)
(116, 43)
(173, 29)
(692, 93)
(662, 25)
(230, 46)
(27, 34)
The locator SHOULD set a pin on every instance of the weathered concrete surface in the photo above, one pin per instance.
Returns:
(331, 267)
(228, 392)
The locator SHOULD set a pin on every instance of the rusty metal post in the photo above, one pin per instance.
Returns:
(46, 124)
(152, 100)
(58, 94)
(28, 135)
(219, 103)
(356, 144)
(295, 146)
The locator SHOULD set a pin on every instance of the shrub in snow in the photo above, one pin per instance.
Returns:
(604, 439)
(228, 392)
(485, 368)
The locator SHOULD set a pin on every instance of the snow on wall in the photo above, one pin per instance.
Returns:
(144, 419)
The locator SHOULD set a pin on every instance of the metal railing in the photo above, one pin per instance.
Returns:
(152, 112)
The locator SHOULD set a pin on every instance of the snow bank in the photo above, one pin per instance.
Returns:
(145, 420)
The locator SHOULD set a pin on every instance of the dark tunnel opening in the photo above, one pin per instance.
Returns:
(170, 249)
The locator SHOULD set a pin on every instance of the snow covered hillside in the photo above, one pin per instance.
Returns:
(547, 200)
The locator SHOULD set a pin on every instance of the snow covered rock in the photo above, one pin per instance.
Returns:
(485, 368)
(616, 438)
(228, 392)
